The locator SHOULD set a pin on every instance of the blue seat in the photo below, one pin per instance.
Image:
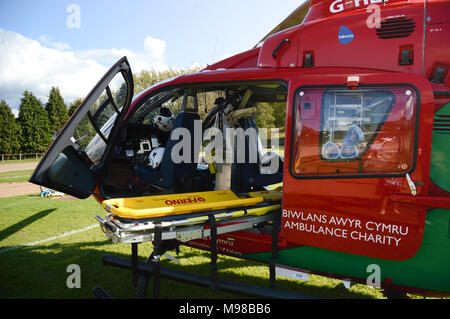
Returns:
(247, 176)
(171, 175)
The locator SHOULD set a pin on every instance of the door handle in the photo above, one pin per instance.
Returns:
(411, 184)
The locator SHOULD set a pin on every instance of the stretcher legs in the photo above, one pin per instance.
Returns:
(151, 269)
(159, 249)
(213, 245)
(157, 252)
(134, 263)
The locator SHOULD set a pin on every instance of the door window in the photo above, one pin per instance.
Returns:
(369, 131)
(93, 131)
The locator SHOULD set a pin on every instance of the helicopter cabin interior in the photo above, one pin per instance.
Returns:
(201, 111)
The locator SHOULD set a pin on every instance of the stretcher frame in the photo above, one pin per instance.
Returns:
(168, 232)
(187, 228)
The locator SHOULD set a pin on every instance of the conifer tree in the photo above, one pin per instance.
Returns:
(9, 130)
(56, 109)
(34, 124)
(74, 105)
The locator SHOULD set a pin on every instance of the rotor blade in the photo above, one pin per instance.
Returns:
(295, 18)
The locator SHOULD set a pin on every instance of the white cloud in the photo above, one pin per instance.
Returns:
(60, 46)
(197, 66)
(151, 58)
(155, 47)
(46, 41)
(25, 64)
(36, 66)
(139, 60)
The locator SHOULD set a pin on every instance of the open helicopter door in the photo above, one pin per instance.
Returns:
(73, 161)
(359, 161)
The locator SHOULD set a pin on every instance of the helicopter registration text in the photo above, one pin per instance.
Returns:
(340, 5)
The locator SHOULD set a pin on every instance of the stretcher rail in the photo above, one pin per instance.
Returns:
(186, 230)
(134, 220)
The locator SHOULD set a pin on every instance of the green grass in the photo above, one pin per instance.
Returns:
(23, 160)
(40, 271)
(15, 176)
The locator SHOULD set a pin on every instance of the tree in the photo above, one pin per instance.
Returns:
(9, 130)
(34, 124)
(73, 107)
(57, 110)
(146, 78)
(264, 116)
(84, 132)
(279, 113)
(121, 95)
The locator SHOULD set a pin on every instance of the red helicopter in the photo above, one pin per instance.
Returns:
(364, 180)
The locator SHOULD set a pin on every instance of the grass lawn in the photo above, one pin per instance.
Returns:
(16, 176)
(25, 159)
(40, 271)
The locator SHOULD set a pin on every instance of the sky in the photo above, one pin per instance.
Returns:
(71, 44)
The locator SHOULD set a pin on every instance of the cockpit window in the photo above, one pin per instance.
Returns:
(143, 112)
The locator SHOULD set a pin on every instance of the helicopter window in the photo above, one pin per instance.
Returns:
(368, 131)
(92, 133)
(351, 120)
(142, 113)
(173, 104)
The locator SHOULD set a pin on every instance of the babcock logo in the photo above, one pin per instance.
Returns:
(345, 35)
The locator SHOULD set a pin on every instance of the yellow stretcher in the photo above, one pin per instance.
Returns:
(273, 195)
(180, 204)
